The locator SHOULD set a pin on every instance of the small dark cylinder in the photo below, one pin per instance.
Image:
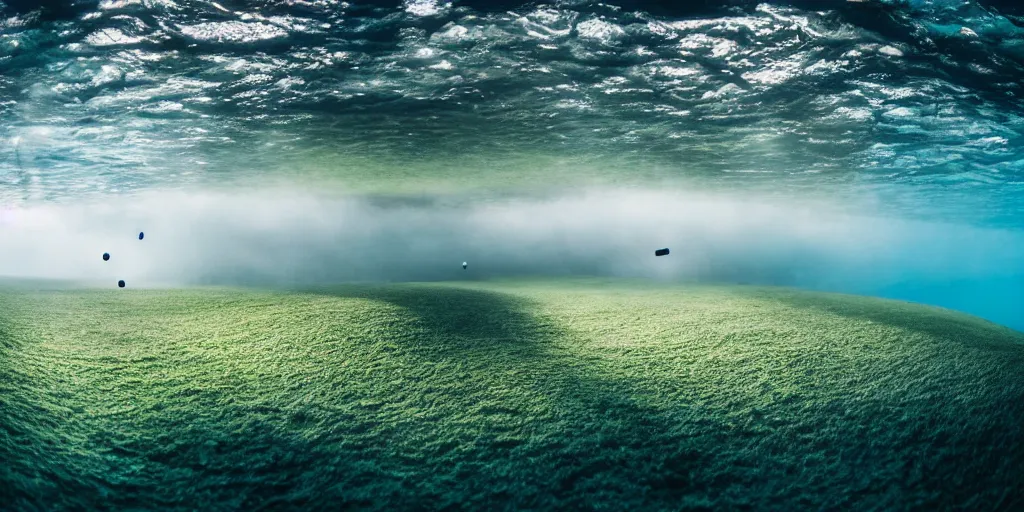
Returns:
(661, 252)
(120, 284)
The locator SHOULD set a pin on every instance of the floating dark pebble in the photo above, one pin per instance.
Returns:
(661, 252)
(141, 234)
(106, 256)
(120, 284)
(464, 265)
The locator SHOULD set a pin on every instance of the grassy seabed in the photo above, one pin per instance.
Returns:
(586, 394)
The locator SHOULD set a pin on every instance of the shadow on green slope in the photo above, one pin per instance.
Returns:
(938, 323)
(599, 441)
(558, 428)
(453, 398)
(553, 431)
(933, 386)
(465, 401)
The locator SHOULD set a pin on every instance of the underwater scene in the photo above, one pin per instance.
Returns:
(503, 255)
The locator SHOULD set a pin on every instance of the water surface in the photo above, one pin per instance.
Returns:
(868, 147)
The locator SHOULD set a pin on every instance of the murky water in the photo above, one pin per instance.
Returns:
(870, 147)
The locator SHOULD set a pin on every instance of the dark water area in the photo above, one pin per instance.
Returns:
(843, 114)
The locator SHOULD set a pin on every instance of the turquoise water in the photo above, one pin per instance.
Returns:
(865, 147)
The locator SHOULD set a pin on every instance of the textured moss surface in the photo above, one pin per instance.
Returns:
(593, 394)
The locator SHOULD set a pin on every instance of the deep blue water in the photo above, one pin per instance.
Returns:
(887, 136)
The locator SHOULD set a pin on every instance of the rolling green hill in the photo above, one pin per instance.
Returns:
(585, 394)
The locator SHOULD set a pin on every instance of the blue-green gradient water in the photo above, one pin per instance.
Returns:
(868, 147)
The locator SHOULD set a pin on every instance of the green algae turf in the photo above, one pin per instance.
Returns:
(582, 394)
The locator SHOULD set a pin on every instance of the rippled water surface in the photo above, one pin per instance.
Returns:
(909, 111)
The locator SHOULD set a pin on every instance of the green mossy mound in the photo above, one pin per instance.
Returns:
(546, 395)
